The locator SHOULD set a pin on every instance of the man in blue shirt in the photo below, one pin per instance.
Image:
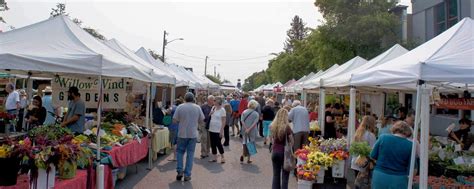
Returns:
(75, 117)
(234, 103)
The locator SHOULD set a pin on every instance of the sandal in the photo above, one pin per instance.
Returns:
(222, 160)
(241, 159)
(213, 160)
(249, 162)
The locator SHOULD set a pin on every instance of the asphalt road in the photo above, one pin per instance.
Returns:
(207, 175)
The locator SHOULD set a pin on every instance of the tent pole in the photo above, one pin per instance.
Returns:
(100, 169)
(322, 116)
(415, 133)
(147, 123)
(424, 140)
(29, 92)
(352, 116)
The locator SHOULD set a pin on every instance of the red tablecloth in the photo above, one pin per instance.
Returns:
(78, 182)
(129, 153)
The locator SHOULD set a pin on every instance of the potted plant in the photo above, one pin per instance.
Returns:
(362, 151)
(68, 156)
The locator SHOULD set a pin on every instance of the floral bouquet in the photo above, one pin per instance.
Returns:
(331, 145)
(306, 173)
(302, 153)
(362, 150)
(339, 155)
(318, 159)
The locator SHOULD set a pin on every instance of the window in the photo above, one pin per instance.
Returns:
(446, 15)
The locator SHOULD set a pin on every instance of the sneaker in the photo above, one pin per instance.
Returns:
(187, 178)
(179, 177)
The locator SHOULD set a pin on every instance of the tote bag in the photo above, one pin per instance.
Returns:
(251, 148)
(289, 159)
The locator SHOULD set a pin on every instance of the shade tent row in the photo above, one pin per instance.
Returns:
(58, 46)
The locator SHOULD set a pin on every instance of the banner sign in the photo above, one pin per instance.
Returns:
(114, 91)
(456, 103)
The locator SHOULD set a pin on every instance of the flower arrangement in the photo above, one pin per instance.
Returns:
(331, 145)
(318, 159)
(302, 153)
(304, 173)
(50, 133)
(339, 155)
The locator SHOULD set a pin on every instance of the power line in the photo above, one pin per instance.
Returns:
(220, 60)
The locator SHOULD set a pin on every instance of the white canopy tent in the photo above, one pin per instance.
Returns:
(347, 66)
(160, 74)
(447, 58)
(181, 79)
(343, 79)
(59, 46)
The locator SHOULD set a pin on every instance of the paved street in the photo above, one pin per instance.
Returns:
(232, 174)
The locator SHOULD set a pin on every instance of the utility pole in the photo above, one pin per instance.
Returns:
(205, 66)
(215, 71)
(164, 45)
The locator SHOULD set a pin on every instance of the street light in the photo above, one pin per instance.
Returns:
(166, 42)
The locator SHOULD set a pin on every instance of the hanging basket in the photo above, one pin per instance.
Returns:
(67, 169)
(9, 172)
(305, 184)
(338, 169)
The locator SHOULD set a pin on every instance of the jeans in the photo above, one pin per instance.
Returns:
(187, 145)
(226, 135)
(301, 138)
(216, 143)
(280, 176)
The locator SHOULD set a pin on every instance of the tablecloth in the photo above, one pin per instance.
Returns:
(129, 153)
(78, 182)
(160, 139)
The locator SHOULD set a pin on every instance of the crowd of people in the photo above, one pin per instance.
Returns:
(248, 117)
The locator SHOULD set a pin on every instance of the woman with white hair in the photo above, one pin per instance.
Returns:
(249, 120)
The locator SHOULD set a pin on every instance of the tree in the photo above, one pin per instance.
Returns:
(214, 79)
(154, 54)
(297, 32)
(3, 7)
(61, 10)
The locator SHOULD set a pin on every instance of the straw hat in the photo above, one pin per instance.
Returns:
(47, 89)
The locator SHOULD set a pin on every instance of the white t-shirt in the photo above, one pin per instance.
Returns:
(12, 99)
(216, 121)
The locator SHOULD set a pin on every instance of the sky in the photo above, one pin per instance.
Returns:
(227, 31)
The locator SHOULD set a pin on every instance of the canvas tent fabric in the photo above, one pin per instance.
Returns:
(160, 75)
(449, 57)
(343, 80)
(66, 48)
(180, 79)
(347, 66)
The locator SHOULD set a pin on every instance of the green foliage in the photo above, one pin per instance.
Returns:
(256, 79)
(59, 10)
(214, 79)
(350, 28)
(155, 55)
(360, 148)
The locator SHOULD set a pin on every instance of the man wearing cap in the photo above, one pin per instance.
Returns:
(188, 115)
(48, 104)
(75, 116)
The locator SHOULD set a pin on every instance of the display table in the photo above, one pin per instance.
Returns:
(12, 135)
(160, 140)
(129, 153)
(78, 182)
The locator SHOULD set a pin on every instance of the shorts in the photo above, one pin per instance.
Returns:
(173, 137)
(266, 128)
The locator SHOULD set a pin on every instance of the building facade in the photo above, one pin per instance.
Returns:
(432, 17)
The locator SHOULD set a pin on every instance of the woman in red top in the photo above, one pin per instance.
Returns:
(281, 133)
(242, 107)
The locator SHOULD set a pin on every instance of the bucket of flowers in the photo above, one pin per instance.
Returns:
(6, 121)
(320, 162)
(361, 150)
(337, 149)
(68, 155)
(12, 155)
